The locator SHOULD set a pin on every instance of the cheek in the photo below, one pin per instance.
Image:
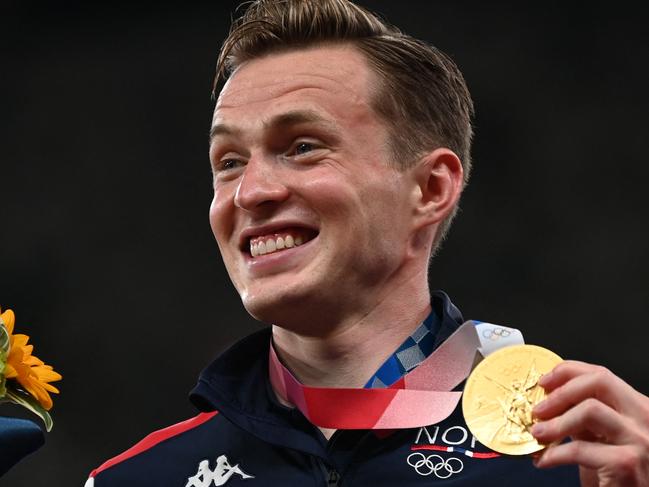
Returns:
(385, 217)
(220, 217)
(214, 216)
(383, 203)
(221, 221)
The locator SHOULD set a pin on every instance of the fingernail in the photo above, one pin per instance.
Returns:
(540, 407)
(545, 378)
(538, 429)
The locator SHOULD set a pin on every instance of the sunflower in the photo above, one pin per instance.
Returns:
(32, 374)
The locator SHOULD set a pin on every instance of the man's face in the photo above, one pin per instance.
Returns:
(310, 217)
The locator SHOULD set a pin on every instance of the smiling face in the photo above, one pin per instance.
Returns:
(311, 218)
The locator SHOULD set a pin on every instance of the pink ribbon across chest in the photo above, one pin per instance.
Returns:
(422, 397)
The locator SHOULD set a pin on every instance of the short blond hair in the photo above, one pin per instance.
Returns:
(422, 96)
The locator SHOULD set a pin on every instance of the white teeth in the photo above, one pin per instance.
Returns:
(273, 245)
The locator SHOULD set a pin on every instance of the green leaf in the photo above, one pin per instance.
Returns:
(4, 352)
(29, 402)
(4, 338)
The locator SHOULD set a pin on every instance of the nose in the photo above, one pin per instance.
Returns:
(260, 186)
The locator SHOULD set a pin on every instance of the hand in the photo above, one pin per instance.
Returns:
(607, 420)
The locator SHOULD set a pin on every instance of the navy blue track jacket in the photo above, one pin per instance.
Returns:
(244, 436)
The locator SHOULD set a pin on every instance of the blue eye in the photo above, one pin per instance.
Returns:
(303, 148)
(229, 164)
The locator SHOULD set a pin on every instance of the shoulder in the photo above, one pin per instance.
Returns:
(156, 446)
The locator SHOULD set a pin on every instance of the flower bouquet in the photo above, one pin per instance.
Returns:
(24, 378)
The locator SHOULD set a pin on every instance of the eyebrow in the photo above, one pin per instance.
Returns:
(294, 117)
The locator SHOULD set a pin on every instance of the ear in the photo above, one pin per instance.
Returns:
(439, 180)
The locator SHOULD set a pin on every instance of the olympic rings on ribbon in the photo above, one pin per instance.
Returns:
(495, 333)
(443, 469)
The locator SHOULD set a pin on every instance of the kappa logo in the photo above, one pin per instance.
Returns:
(219, 476)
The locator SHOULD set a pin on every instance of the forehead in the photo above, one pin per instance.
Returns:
(331, 78)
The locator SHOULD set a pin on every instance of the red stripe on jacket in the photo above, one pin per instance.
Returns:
(154, 438)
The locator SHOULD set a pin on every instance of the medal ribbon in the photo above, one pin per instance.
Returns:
(419, 345)
(422, 397)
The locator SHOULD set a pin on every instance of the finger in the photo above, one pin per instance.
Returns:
(588, 419)
(584, 453)
(589, 382)
(565, 371)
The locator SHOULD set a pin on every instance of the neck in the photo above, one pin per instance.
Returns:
(355, 347)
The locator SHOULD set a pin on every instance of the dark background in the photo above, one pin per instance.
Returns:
(106, 254)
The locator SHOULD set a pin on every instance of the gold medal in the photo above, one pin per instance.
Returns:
(499, 396)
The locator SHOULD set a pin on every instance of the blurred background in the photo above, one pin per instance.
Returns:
(106, 254)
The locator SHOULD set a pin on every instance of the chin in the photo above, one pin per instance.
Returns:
(291, 309)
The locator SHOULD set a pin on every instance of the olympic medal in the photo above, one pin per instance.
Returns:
(499, 396)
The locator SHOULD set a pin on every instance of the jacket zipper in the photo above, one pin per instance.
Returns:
(334, 478)
(330, 474)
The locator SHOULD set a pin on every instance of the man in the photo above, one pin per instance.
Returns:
(340, 148)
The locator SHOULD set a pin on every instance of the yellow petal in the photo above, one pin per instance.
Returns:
(33, 360)
(15, 355)
(39, 393)
(10, 372)
(46, 401)
(46, 375)
(9, 318)
(51, 388)
(19, 340)
(29, 386)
